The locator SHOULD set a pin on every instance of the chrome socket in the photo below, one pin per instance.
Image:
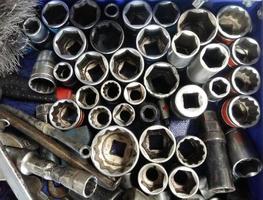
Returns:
(189, 102)
(161, 80)
(157, 144)
(202, 22)
(149, 113)
(64, 73)
(65, 114)
(69, 43)
(87, 97)
(234, 22)
(126, 65)
(84, 14)
(112, 11)
(184, 46)
(152, 179)
(244, 51)
(35, 30)
(107, 37)
(123, 114)
(41, 79)
(166, 13)
(217, 88)
(241, 111)
(137, 14)
(55, 14)
(212, 59)
(243, 155)
(153, 42)
(245, 80)
(100, 117)
(114, 151)
(183, 182)
(134, 93)
(110, 91)
(191, 151)
(91, 68)
(42, 111)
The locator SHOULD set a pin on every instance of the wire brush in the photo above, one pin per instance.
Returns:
(12, 15)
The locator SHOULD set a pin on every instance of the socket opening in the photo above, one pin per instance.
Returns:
(186, 44)
(63, 71)
(184, 182)
(90, 187)
(248, 167)
(150, 113)
(31, 26)
(118, 148)
(123, 114)
(166, 13)
(191, 100)
(152, 174)
(214, 57)
(111, 90)
(156, 142)
(111, 10)
(85, 151)
(219, 87)
(87, 97)
(100, 117)
(103, 118)
(55, 14)
(41, 84)
(134, 93)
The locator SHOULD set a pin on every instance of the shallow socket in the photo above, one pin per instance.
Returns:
(110, 90)
(87, 97)
(134, 93)
(217, 88)
(63, 71)
(100, 117)
(123, 114)
(149, 113)
(112, 11)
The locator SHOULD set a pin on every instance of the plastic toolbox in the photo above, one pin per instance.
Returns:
(180, 127)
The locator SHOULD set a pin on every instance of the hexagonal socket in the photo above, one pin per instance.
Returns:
(64, 73)
(137, 14)
(114, 151)
(55, 14)
(87, 97)
(152, 178)
(202, 22)
(183, 182)
(241, 111)
(127, 65)
(69, 43)
(217, 88)
(161, 80)
(244, 51)
(245, 80)
(112, 11)
(134, 93)
(184, 46)
(149, 113)
(212, 59)
(65, 114)
(123, 114)
(189, 102)
(166, 13)
(84, 14)
(107, 37)
(157, 144)
(153, 42)
(91, 68)
(110, 91)
(100, 117)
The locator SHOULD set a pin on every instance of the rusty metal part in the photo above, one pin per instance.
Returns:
(100, 117)
(56, 148)
(123, 114)
(87, 97)
(56, 191)
(110, 91)
(64, 73)
(114, 151)
(134, 93)
(157, 144)
(112, 11)
(152, 178)
(42, 111)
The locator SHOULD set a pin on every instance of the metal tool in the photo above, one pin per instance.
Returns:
(189, 102)
(244, 51)
(164, 111)
(157, 144)
(244, 80)
(234, 22)
(112, 11)
(153, 42)
(161, 80)
(183, 182)
(184, 46)
(69, 43)
(41, 79)
(42, 111)
(100, 117)
(212, 59)
(110, 91)
(134, 93)
(242, 153)
(123, 114)
(87, 97)
(64, 73)
(191, 151)
(114, 151)
(126, 181)
(84, 14)
(91, 68)
(200, 21)
(107, 37)
(217, 88)
(65, 114)
(218, 169)
(137, 14)
(241, 111)
(126, 65)
(149, 113)
(152, 179)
